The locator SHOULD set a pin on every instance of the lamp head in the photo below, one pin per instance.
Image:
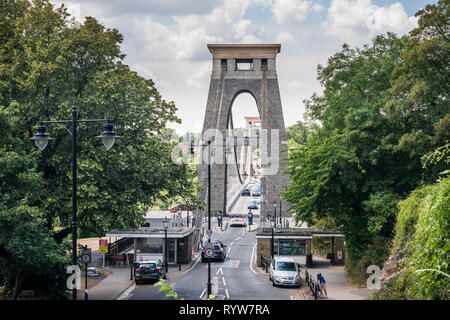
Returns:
(41, 138)
(108, 136)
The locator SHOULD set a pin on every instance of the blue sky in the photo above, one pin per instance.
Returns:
(166, 41)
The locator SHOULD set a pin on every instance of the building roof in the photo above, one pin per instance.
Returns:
(176, 232)
(162, 214)
(261, 51)
(299, 233)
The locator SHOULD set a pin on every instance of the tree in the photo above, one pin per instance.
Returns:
(49, 62)
(382, 108)
(28, 252)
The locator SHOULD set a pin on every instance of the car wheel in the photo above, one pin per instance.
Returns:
(273, 283)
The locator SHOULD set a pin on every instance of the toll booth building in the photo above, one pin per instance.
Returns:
(149, 240)
(297, 244)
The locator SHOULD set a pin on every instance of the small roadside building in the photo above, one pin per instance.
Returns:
(297, 243)
(149, 240)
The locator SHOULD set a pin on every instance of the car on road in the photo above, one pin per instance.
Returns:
(237, 222)
(252, 204)
(284, 272)
(92, 272)
(256, 192)
(149, 271)
(220, 253)
(245, 192)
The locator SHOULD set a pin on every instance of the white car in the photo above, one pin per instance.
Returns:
(240, 222)
(284, 272)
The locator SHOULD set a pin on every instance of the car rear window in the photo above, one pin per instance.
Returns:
(147, 265)
(286, 266)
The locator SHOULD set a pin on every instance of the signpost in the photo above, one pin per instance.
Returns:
(86, 258)
(103, 248)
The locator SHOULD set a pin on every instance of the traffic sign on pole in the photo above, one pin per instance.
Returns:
(209, 252)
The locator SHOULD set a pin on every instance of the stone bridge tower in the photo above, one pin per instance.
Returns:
(238, 68)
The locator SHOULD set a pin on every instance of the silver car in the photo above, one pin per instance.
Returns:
(284, 272)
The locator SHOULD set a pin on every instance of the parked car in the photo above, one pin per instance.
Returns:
(220, 253)
(92, 272)
(256, 192)
(252, 205)
(149, 271)
(284, 272)
(239, 221)
(255, 199)
(245, 192)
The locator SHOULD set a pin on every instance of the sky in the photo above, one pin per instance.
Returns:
(166, 40)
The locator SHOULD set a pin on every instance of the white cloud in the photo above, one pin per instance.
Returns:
(293, 11)
(284, 37)
(350, 19)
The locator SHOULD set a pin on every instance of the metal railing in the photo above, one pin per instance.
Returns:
(314, 285)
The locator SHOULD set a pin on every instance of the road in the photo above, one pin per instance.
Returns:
(232, 278)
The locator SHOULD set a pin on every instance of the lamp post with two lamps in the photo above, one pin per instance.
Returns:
(41, 139)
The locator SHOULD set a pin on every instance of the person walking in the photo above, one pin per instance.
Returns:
(322, 285)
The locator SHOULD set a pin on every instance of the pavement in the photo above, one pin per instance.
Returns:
(338, 285)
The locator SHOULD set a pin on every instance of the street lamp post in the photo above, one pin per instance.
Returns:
(275, 212)
(280, 210)
(273, 222)
(41, 139)
(166, 225)
(209, 214)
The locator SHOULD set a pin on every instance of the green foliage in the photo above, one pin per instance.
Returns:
(431, 245)
(166, 287)
(422, 246)
(29, 256)
(383, 107)
(48, 62)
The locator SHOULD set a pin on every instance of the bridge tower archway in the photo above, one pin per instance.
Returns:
(237, 69)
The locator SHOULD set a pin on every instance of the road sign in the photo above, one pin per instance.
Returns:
(86, 255)
(209, 252)
(209, 232)
(86, 258)
(339, 255)
(103, 246)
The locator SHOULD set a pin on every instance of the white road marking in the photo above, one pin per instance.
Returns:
(228, 296)
(223, 279)
(251, 260)
(219, 271)
(203, 292)
(127, 293)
